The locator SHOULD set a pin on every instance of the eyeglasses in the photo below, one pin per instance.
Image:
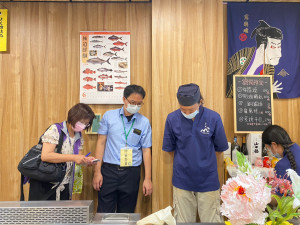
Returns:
(135, 103)
(266, 149)
(85, 124)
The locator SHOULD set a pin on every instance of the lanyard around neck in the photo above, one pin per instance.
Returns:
(69, 137)
(126, 135)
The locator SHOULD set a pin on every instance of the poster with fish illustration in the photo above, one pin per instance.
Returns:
(104, 66)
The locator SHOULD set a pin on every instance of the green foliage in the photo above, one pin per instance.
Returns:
(284, 210)
(243, 164)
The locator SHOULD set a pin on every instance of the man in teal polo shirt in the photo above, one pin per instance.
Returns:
(124, 141)
(195, 134)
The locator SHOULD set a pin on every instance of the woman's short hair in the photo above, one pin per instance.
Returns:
(79, 112)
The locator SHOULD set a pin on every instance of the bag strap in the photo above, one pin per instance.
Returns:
(21, 187)
(58, 147)
(61, 138)
(77, 145)
(24, 180)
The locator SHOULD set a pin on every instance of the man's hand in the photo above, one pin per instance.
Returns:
(147, 187)
(276, 87)
(97, 181)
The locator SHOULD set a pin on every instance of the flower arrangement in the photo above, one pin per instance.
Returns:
(288, 204)
(246, 197)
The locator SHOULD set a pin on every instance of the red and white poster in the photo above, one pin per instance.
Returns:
(104, 66)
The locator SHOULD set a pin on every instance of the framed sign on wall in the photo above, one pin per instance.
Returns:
(95, 125)
(104, 66)
(253, 103)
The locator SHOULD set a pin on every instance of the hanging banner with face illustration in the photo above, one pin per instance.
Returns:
(104, 66)
(264, 39)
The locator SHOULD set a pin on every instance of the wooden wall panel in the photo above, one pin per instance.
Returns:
(173, 42)
(187, 46)
(40, 75)
(41, 0)
(261, 1)
(100, 0)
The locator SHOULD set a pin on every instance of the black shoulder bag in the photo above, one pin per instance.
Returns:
(31, 165)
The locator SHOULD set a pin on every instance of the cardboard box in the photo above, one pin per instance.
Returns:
(254, 146)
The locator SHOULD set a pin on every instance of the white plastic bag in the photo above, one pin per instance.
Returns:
(159, 218)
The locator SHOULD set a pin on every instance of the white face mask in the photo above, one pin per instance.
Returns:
(191, 115)
(132, 109)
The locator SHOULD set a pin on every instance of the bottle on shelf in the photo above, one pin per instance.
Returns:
(244, 148)
(235, 147)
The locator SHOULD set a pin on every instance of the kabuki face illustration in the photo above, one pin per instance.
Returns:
(270, 38)
(273, 51)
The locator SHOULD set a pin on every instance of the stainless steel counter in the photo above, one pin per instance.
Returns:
(69, 213)
(116, 218)
(46, 212)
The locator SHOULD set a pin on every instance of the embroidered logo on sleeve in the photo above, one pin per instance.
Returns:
(205, 130)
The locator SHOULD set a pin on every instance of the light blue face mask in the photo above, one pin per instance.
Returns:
(277, 156)
(274, 155)
(191, 115)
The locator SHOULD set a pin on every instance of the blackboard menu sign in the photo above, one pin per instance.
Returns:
(253, 103)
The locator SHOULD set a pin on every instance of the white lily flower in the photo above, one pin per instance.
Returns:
(296, 186)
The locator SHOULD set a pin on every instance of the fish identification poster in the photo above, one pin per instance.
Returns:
(104, 66)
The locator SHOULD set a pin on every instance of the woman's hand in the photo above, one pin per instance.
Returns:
(82, 160)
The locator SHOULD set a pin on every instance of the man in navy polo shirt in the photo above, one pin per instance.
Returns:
(124, 141)
(196, 134)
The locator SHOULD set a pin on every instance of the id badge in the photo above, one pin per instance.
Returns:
(126, 157)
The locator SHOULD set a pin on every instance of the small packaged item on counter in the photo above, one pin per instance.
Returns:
(274, 161)
(228, 162)
(267, 162)
(259, 162)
